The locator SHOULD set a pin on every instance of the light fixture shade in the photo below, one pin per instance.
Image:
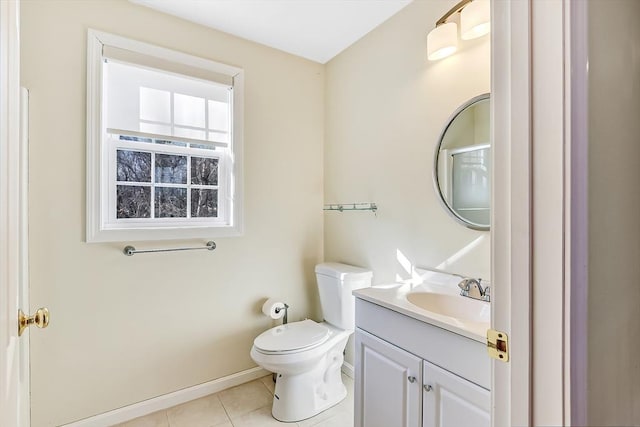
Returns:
(475, 19)
(442, 41)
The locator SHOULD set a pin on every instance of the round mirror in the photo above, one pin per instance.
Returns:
(462, 166)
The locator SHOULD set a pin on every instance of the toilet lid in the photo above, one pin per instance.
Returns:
(292, 336)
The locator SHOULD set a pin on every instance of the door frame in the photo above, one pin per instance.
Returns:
(576, 327)
(511, 208)
(539, 236)
(14, 385)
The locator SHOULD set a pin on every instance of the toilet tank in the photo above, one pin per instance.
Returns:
(335, 284)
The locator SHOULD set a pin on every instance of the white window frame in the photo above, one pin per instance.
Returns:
(108, 209)
(100, 145)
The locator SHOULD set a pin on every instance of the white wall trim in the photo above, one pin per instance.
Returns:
(165, 401)
(347, 369)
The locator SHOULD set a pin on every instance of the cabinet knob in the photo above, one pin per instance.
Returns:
(427, 387)
(412, 379)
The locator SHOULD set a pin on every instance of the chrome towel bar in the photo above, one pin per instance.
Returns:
(130, 250)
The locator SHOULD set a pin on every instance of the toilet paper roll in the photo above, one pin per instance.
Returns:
(270, 307)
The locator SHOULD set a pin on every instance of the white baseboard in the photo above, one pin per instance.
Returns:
(165, 401)
(347, 369)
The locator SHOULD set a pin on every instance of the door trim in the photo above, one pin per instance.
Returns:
(511, 249)
(532, 207)
(577, 76)
(23, 281)
(14, 386)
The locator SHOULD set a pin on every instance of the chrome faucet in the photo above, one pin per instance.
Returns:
(486, 294)
(472, 288)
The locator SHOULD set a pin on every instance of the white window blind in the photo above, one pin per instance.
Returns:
(159, 104)
(184, 68)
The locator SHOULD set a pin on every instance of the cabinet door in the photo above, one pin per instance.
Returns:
(451, 401)
(387, 384)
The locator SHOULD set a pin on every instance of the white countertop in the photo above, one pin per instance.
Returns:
(393, 297)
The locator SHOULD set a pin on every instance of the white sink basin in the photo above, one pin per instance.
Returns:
(456, 306)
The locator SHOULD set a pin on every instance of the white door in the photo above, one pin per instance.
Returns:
(14, 357)
(388, 381)
(451, 401)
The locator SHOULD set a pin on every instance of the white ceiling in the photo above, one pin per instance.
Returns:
(314, 29)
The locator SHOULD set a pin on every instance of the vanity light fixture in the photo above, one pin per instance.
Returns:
(475, 21)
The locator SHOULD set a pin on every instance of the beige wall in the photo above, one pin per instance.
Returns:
(128, 329)
(385, 108)
(614, 203)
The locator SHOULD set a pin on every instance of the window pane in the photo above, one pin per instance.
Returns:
(166, 142)
(133, 201)
(133, 166)
(155, 105)
(218, 116)
(204, 202)
(171, 202)
(134, 138)
(204, 171)
(171, 169)
(188, 110)
(203, 146)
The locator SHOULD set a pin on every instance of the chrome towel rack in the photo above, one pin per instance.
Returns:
(131, 251)
(341, 207)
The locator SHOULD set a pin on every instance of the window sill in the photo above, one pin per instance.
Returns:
(173, 233)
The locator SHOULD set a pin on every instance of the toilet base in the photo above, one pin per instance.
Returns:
(301, 396)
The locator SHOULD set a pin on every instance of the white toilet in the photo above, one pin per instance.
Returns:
(307, 356)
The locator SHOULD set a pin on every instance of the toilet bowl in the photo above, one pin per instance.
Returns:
(307, 356)
(308, 378)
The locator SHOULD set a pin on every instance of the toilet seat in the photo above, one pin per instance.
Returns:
(292, 337)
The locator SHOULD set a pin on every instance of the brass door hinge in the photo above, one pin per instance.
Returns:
(498, 345)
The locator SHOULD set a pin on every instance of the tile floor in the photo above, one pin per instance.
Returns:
(247, 405)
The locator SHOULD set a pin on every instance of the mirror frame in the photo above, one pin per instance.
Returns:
(436, 181)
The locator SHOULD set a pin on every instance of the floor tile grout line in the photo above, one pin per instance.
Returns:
(224, 409)
(270, 403)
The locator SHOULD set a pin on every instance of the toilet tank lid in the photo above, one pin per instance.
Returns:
(343, 271)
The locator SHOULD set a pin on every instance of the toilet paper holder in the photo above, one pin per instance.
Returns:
(286, 311)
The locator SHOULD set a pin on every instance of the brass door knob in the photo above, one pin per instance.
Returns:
(40, 318)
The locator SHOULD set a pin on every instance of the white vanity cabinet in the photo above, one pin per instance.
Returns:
(451, 401)
(409, 373)
(387, 386)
